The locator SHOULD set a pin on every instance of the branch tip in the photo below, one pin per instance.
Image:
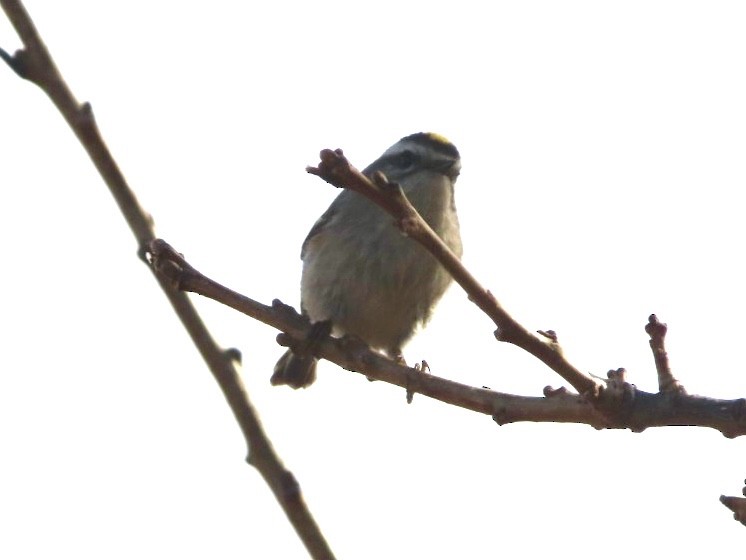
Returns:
(333, 167)
(737, 506)
(16, 62)
(655, 328)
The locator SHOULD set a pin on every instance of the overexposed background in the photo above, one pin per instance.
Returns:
(603, 147)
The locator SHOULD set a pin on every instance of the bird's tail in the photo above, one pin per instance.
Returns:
(295, 371)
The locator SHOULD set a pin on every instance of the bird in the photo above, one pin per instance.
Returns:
(362, 274)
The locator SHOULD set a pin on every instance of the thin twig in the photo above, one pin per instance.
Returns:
(737, 505)
(657, 332)
(35, 64)
(619, 406)
(337, 170)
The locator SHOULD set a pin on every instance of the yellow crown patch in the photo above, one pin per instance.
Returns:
(438, 138)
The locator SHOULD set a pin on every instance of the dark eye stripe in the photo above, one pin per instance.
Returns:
(403, 160)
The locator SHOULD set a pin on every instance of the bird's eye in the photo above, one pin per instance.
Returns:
(404, 160)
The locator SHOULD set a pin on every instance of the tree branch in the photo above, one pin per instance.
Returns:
(619, 402)
(337, 170)
(619, 405)
(737, 505)
(35, 64)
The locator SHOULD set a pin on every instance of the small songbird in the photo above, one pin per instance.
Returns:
(361, 273)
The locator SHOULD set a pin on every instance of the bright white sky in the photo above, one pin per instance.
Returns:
(603, 148)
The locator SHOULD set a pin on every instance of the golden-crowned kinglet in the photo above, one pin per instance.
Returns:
(361, 273)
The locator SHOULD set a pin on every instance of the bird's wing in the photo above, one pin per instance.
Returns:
(317, 228)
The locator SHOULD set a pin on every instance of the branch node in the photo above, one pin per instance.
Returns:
(17, 62)
(550, 391)
(414, 372)
(391, 189)
(356, 350)
(166, 261)
(501, 416)
(617, 376)
(233, 355)
(172, 272)
(307, 346)
(550, 334)
(84, 115)
(284, 340)
(287, 311)
(511, 333)
(594, 392)
(617, 387)
(409, 225)
(143, 252)
(504, 334)
(380, 180)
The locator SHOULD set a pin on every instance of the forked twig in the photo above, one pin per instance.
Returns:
(618, 406)
(337, 170)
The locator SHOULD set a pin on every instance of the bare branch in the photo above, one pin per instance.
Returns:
(35, 64)
(337, 170)
(619, 405)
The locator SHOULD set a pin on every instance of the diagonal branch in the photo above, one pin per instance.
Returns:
(337, 170)
(621, 405)
(35, 64)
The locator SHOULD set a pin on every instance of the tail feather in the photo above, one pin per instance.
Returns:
(295, 371)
